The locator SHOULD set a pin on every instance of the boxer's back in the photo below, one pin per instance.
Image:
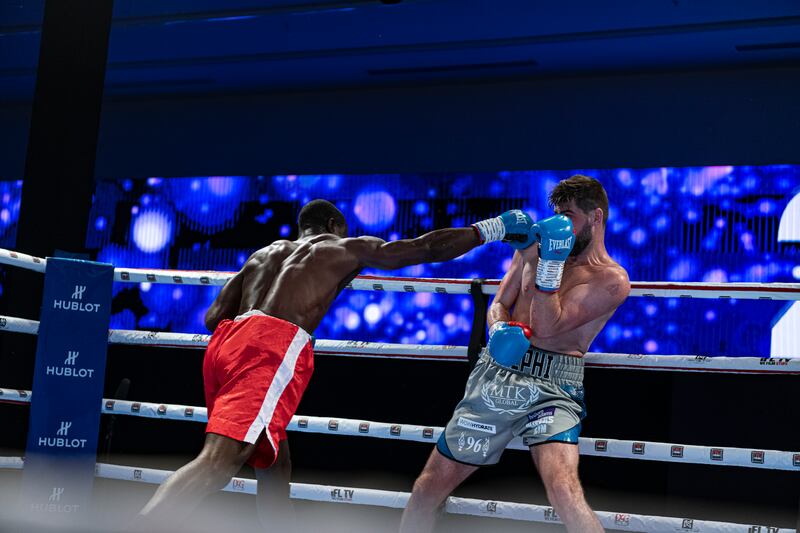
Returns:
(297, 280)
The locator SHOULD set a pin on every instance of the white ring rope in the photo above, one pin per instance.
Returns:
(435, 352)
(453, 505)
(658, 289)
(619, 449)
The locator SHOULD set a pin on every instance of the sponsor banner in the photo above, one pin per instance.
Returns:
(508, 399)
(476, 425)
(540, 420)
(70, 363)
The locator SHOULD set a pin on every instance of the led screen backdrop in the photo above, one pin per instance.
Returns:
(10, 198)
(666, 224)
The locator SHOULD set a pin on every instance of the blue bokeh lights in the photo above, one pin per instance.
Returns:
(713, 224)
(152, 231)
(375, 209)
(10, 199)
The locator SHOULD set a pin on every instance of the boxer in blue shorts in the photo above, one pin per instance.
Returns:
(555, 298)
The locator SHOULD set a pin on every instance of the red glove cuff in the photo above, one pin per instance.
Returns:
(526, 330)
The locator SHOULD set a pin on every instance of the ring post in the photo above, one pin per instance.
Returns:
(68, 378)
(477, 338)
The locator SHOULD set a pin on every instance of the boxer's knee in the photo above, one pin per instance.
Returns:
(221, 460)
(429, 491)
(218, 470)
(564, 492)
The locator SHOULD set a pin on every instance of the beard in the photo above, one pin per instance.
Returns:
(582, 239)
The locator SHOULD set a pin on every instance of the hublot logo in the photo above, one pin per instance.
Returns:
(61, 439)
(69, 370)
(76, 302)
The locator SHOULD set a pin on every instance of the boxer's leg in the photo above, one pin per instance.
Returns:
(275, 507)
(220, 459)
(557, 463)
(438, 479)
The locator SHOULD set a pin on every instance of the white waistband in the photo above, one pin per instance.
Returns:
(257, 312)
(252, 312)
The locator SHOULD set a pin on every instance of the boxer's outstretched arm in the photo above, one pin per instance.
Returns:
(503, 303)
(435, 246)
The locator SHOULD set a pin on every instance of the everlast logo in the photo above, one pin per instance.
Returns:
(342, 495)
(61, 440)
(560, 244)
(69, 370)
(76, 303)
(535, 363)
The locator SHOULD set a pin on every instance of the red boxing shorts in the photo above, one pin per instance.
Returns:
(255, 372)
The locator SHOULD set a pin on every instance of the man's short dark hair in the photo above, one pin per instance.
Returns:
(317, 213)
(587, 192)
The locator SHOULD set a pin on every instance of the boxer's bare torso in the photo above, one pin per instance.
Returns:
(606, 282)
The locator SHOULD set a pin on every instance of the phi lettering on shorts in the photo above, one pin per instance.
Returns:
(477, 426)
(535, 363)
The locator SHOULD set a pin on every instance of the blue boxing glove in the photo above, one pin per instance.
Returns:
(556, 237)
(508, 342)
(512, 227)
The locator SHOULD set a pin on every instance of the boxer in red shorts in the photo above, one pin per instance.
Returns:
(260, 357)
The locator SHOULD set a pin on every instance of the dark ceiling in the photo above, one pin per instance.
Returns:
(211, 46)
